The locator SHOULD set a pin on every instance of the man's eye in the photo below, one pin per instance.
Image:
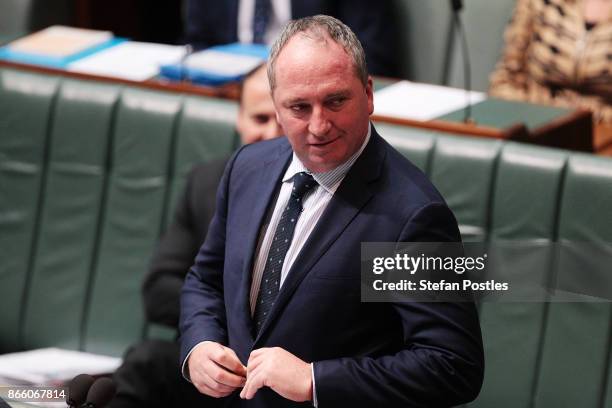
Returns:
(336, 102)
(298, 108)
(261, 119)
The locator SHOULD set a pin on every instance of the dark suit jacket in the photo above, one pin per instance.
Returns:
(364, 354)
(213, 22)
(179, 244)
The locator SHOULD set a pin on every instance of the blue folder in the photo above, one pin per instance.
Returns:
(179, 71)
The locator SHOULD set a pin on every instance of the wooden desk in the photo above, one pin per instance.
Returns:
(529, 123)
(602, 139)
(517, 121)
(230, 91)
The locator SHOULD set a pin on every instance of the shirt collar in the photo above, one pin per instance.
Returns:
(329, 180)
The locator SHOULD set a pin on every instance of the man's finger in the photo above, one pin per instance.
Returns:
(221, 375)
(254, 362)
(217, 386)
(204, 388)
(259, 352)
(241, 370)
(253, 384)
(227, 358)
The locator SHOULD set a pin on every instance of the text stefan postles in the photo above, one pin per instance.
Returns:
(412, 264)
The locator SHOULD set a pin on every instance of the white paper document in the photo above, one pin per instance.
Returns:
(410, 100)
(52, 366)
(60, 41)
(132, 60)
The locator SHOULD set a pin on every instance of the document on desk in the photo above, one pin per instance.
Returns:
(132, 60)
(60, 41)
(50, 366)
(411, 100)
(217, 65)
(58, 46)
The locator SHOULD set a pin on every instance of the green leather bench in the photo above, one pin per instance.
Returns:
(90, 172)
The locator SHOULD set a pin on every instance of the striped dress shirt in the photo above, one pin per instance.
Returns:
(313, 203)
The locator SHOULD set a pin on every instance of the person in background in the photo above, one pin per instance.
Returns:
(150, 375)
(559, 52)
(213, 22)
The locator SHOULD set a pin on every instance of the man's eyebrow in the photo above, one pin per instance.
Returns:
(339, 94)
(294, 101)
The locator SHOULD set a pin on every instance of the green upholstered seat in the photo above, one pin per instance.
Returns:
(523, 221)
(463, 170)
(68, 226)
(133, 205)
(415, 144)
(205, 132)
(576, 347)
(26, 102)
(607, 400)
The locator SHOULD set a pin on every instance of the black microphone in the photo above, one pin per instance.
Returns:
(457, 6)
(100, 393)
(78, 388)
(183, 63)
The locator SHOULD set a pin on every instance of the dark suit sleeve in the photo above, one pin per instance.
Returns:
(441, 362)
(202, 315)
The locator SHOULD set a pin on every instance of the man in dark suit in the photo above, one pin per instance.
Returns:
(213, 22)
(271, 313)
(150, 375)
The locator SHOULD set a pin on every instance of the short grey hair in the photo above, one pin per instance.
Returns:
(316, 28)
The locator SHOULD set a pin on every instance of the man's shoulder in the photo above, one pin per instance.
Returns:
(260, 153)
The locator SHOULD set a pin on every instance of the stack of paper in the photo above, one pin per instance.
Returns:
(52, 366)
(410, 100)
(131, 60)
(57, 46)
(60, 41)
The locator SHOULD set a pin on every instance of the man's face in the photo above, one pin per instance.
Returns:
(320, 103)
(257, 118)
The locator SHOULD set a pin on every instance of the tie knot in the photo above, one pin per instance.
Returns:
(302, 183)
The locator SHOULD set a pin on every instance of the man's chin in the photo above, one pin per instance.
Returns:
(320, 164)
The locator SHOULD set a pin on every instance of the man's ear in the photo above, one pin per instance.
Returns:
(369, 89)
(240, 120)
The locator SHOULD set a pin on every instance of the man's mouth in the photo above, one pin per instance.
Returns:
(323, 144)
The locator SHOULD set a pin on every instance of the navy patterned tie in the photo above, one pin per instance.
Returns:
(270, 280)
(261, 16)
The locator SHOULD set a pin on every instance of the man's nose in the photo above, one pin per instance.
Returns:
(319, 123)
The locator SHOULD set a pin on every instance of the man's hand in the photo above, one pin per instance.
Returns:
(280, 370)
(215, 370)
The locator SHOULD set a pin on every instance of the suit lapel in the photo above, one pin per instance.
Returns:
(262, 192)
(354, 192)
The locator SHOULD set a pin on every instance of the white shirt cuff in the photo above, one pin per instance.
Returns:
(314, 388)
(185, 366)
